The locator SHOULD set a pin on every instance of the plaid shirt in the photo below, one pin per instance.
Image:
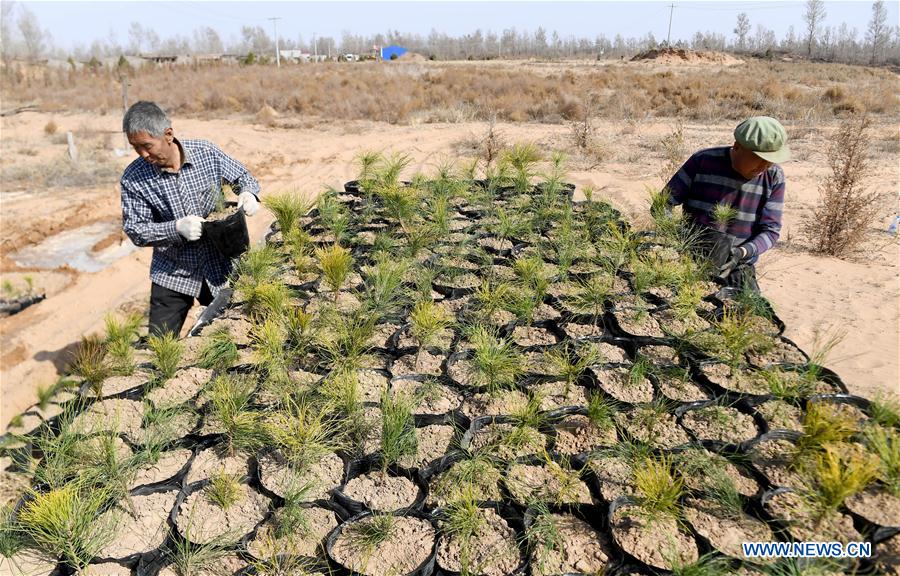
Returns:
(153, 199)
(707, 179)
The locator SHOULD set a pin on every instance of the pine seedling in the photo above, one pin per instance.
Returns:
(542, 534)
(372, 531)
(368, 175)
(496, 361)
(65, 523)
(229, 397)
(304, 433)
(723, 215)
(427, 320)
(335, 264)
(223, 490)
(592, 295)
(89, 362)
(256, 265)
(347, 341)
(219, 352)
(287, 208)
(493, 296)
(565, 364)
(658, 486)
(333, 214)
(384, 279)
(838, 474)
(600, 411)
(461, 520)
(167, 352)
(721, 491)
(398, 429)
(126, 329)
(268, 341)
(823, 425)
(532, 272)
(291, 518)
(12, 540)
(885, 444)
(885, 410)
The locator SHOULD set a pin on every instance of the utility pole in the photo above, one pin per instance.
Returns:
(316, 47)
(669, 35)
(277, 52)
(500, 47)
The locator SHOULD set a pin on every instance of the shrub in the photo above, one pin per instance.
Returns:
(50, 128)
(846, 209)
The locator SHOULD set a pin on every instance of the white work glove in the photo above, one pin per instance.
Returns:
(191, 227)
(248, 202)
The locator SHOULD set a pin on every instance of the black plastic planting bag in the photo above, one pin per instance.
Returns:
(716, 247)
(229, 235)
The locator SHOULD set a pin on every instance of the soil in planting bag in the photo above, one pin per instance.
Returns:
(229, 235)
(500, 554)
(391, 482)
(388, 549)
(213, 311)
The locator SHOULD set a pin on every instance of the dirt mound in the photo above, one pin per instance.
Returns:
(684, 56)
(412, 57)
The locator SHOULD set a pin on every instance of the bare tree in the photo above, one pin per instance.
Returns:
(207, 41)
(34, 38)
(6, 20)
(878, 30)
(814, 15)
(741, 30)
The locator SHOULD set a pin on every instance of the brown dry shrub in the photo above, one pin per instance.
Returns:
(846, 210)
(50, 128)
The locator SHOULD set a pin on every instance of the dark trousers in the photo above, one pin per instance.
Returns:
(168, 308)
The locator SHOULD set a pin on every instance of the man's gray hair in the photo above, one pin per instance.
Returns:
(146, 117)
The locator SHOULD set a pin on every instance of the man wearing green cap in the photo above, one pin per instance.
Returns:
(745, 176)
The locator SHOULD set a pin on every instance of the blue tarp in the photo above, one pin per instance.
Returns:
(389, 51)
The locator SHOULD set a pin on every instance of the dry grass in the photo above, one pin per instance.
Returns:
(439, 92)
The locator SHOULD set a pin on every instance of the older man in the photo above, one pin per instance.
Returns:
(746, 177)
(166, 194)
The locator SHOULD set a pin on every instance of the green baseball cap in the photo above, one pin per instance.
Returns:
(765, 137)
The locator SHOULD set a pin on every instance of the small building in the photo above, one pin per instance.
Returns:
(392, 52)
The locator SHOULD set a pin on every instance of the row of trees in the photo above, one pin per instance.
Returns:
(22, 37)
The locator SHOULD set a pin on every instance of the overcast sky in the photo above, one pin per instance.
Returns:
(79, 23)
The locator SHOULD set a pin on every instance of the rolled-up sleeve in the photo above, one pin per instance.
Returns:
(236, 174)
(138, 224)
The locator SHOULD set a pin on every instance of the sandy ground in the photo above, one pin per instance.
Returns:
(812, 295)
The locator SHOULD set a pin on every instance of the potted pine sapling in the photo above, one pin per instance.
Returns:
(287, 208)
(89, 362)
(305, 436)
(562, 543)
(522, 158)
(427, 322)
(230, 412)
(67, 523)
(218, 352)
(335, 263)
(649, 526)
(380, 490)
(120, 339)
(477, 540)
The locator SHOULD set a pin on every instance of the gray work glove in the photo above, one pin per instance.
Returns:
(191, 227)
(738, 255)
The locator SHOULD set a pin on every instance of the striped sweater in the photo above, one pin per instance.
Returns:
(707, 179)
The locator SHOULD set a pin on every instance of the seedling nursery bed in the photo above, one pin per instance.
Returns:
(454, 375)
